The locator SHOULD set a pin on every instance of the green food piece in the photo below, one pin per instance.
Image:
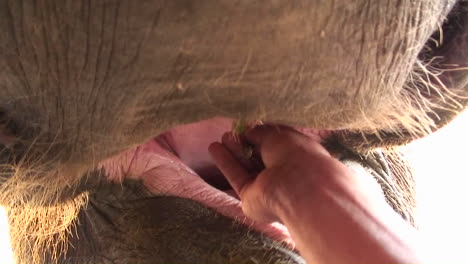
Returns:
(239, 126)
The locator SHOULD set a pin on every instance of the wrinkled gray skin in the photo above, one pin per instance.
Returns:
(83, 80)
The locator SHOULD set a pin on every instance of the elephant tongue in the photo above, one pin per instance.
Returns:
(177, 163)
(190, 144)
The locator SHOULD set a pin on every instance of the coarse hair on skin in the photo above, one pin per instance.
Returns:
(435, 92)
(42, 201)
(40, 213)
(423, 106)
(39, 234)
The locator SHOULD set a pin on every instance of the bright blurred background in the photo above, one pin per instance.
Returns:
(440, 162)
(441, 166)
(6, 257)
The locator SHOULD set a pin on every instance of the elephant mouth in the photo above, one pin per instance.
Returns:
(177, 163)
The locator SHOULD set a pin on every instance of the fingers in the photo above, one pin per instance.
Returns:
(245, 153)
(235, 145)
(257, 135)
(232, 169)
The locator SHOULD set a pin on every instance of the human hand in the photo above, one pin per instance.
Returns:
(295, 166)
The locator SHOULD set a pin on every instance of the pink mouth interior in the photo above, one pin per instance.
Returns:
(177, 163)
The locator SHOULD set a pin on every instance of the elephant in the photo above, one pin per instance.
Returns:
(107, 108)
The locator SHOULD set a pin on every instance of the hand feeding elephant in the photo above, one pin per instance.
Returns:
(107, 108)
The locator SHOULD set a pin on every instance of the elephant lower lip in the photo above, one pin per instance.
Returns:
(163, 173)
(189, 144)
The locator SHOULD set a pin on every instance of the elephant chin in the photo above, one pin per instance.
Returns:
(177, 163)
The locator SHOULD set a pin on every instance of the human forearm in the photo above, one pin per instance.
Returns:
(339, 224)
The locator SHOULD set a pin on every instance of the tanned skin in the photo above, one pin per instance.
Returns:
(331, 214)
